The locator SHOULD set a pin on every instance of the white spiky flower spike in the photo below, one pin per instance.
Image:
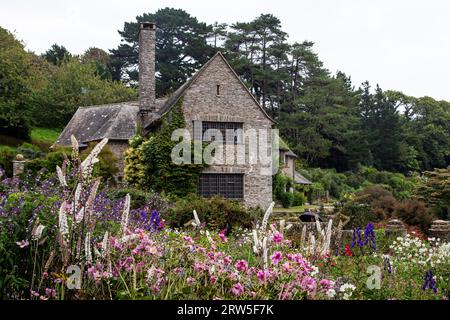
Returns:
(267, 215)
(91, 159)
(79, 216)
(61, 177)
(255, 241)
(77, 196)
(318, 227)
(328, 238)
(75, 146)
(87, 247)
(208, 236)
(312, 243)
(197, 220)
(37, 233)
(282, 224)
(265, 252)
(303, 235)
(126, 213)
(62, 219)
(105, 244)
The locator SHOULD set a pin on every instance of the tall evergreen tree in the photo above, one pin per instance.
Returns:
(181, 49)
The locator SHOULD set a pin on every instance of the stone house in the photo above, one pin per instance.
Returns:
(213, 98)
(287, 159)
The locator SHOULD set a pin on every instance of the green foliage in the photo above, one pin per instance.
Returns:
(6, 158)
(375, 203)
(57, 54)
(30, 151)
(280, 184)
(299, 199)
(287, 199)
(435, 190)
(216, 212)
(15, 267)
(47, 135)
(134, 170)
(48, 163)
(150, 165)
(140, 199)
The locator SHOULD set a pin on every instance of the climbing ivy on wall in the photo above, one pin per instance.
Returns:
(148, 162)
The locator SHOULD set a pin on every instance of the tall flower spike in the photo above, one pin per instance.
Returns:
(62, 218)
(87, 247)
(77, 196)
(91, 159)
(326, 247)
(126, 213)
(61, 177)
(75, 147)
(267, 215)
(255, 241)
(265, 253)
(105, 244)
(197, 220)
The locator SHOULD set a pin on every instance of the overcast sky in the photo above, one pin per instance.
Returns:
(401, 44)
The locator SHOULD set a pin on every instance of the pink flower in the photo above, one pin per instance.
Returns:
(277, 237)
(213, 279)
(191, 281)
(22, 244)
(227, 260)
(200, 267)
(287, 267)
(276, 257)
(222, 235)
(326, 284)
(188, 239)
(308, 284)
(237, 289)
(50, 293)
(241, 265)
(262, 275)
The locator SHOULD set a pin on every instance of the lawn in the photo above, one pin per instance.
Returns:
(296, 208)
(46, 135)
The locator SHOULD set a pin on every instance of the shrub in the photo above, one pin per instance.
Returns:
(140, 199)
(48, 163)
(414, 213)
(287, 199)
(216, 212)
(6, 158)
(360, 214)
(280, 184)
(299, 199)
(30, 151)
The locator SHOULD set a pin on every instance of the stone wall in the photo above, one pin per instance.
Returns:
(232, 104)
(118, 148)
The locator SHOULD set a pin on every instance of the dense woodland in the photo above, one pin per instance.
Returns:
(327, 120)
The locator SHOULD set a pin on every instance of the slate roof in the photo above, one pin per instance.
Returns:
(118, 121)
(298, 178)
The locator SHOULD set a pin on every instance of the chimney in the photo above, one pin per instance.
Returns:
(147, 38)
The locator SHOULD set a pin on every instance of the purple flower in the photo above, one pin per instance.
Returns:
(429, 281)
